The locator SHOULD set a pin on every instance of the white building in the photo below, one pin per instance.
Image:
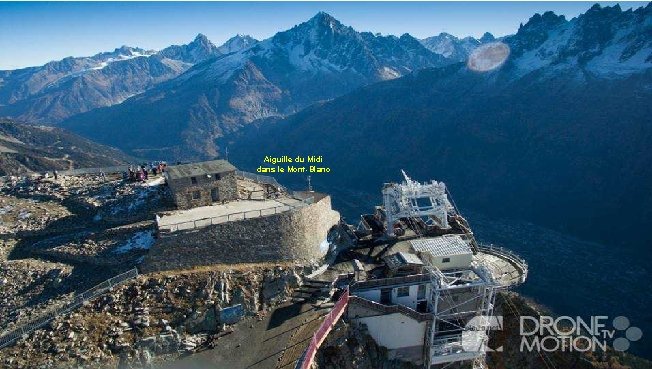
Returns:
(425, 318)
(444, 252)
(394, 310)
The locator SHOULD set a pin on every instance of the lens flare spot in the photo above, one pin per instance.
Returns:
(488, 57)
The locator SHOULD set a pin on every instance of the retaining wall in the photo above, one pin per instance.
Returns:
(292, 235)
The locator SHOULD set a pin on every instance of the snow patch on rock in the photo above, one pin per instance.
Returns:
(140, 241)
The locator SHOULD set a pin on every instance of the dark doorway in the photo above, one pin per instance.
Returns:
(215, 195)
(386, 296)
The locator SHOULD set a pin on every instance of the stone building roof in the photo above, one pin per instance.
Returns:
(199, 169)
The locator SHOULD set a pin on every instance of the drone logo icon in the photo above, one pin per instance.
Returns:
(632, 334)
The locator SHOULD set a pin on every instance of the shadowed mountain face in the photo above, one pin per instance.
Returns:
(27, 148)
(563, 143)
(316, 60)
(60, 89)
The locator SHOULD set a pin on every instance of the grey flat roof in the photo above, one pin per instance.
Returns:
(410, 258)
(450, 244)
(199, 169)
(399, 259)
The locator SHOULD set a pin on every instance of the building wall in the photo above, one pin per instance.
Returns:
(395, 331)
(456, 261)
(292, 235)
(182, 190)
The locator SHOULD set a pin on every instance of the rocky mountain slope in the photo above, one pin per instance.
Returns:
(316, 60)
(603, 42)
(455, 48)
(60, 89)
(26, 148)
(563, 143)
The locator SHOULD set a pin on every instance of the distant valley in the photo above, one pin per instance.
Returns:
(26, 149)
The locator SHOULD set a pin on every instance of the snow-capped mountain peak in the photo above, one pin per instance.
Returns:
(201, 48)
(604, 41)
(237, 43)
(452, 47)
(323, 19)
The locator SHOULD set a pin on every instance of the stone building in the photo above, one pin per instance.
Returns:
(202, 184)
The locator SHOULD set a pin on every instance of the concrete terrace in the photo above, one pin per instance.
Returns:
(219, 213)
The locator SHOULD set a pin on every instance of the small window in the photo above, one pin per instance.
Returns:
(193, 180)
(446, 260)
(217, 176)
(403, 291)
(196, 195)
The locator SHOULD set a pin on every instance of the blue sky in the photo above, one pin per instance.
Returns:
(35, 33)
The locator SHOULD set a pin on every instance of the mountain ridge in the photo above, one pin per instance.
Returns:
(60, 89)
(542, 132)
(313, 61)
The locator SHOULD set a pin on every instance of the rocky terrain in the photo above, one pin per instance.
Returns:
(53, 243)
(349, 347)
(60, 237)
(155, 317)
(512, 306)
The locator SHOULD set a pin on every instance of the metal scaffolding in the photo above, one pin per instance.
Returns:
(462, 303)
(411, 199)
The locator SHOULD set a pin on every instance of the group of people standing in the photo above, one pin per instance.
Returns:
(141, 173)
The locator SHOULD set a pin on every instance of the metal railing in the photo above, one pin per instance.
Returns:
(208, 221)
(308, 356)
(29, 327)
(392, 281)
(390, 309)
(509, 255)
(259, 179)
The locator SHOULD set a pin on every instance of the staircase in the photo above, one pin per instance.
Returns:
(312, 290)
